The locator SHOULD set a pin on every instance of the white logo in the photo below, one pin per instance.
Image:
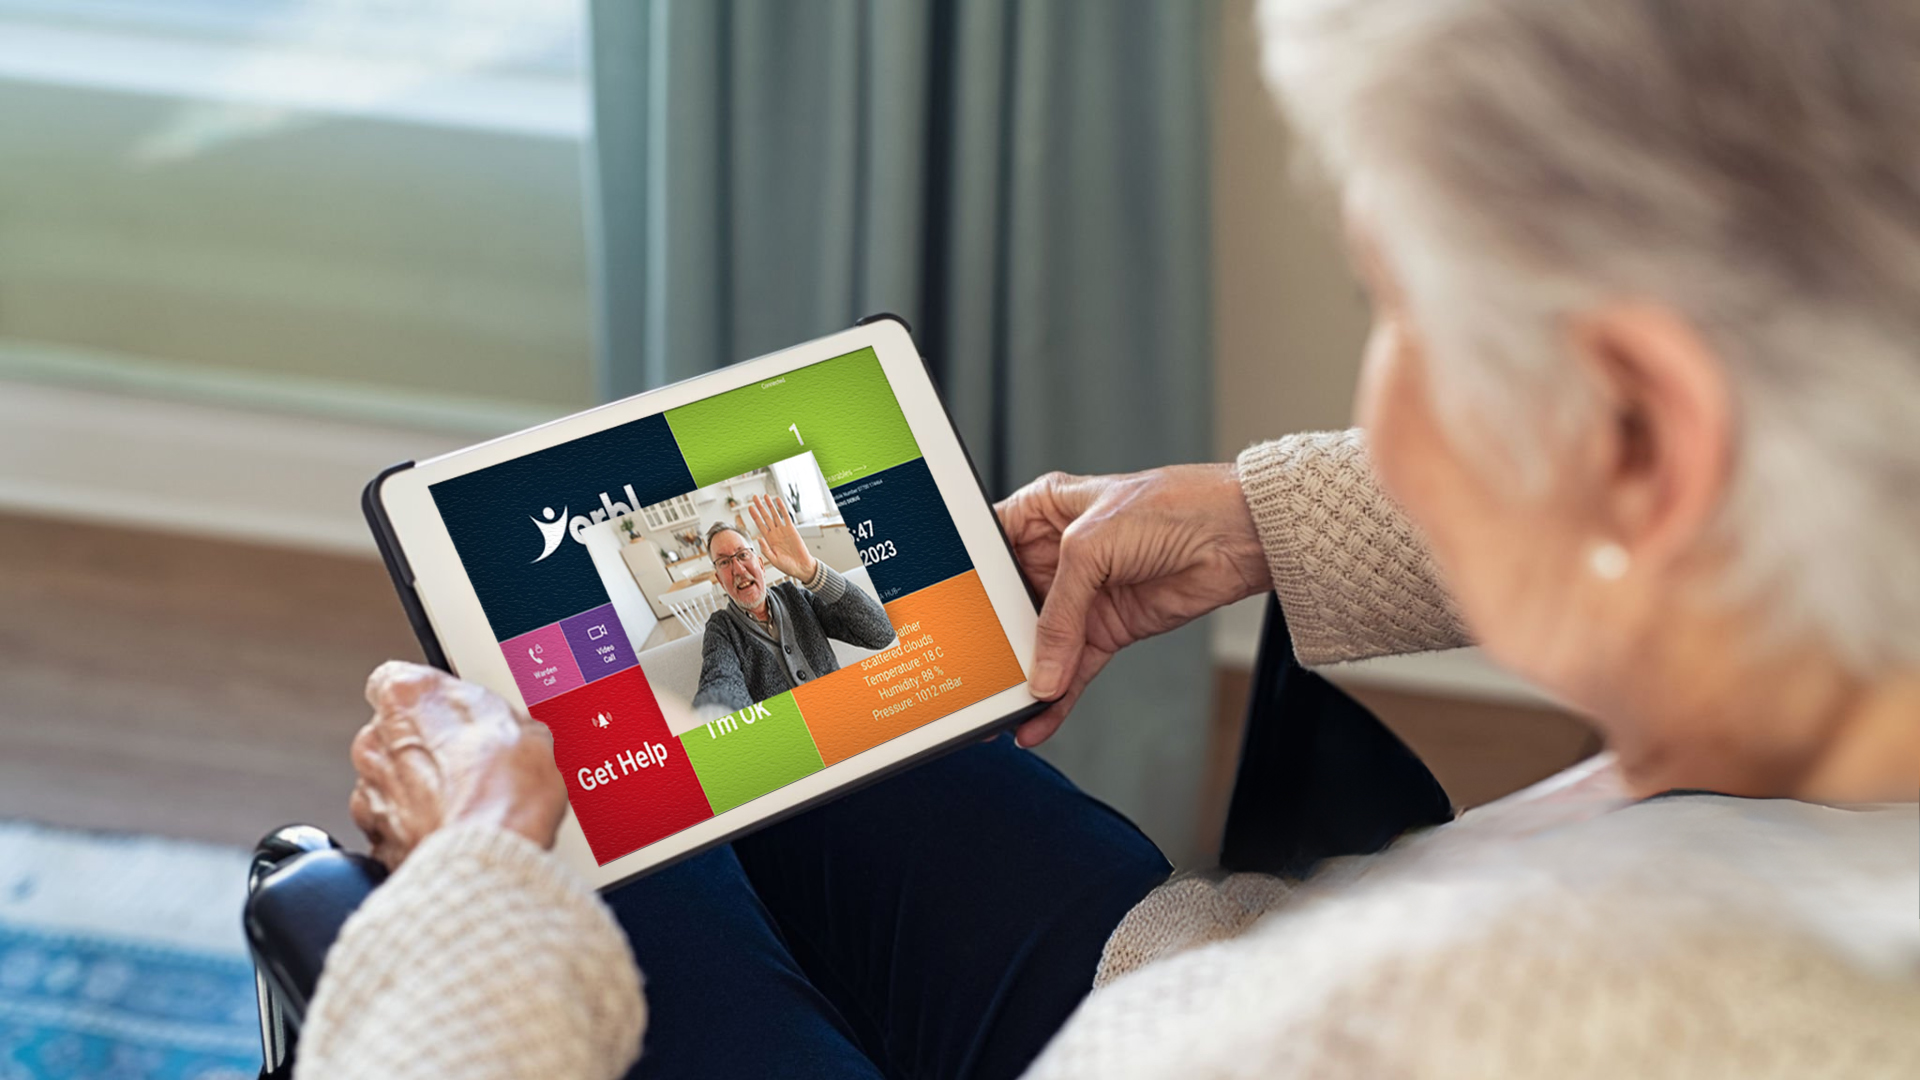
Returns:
(602, 720)
(551, 530)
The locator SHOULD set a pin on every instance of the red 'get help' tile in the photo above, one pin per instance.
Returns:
(628, 778)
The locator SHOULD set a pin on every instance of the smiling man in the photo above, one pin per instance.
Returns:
(768, 640)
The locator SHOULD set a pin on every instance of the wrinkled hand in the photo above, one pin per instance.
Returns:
(1121, 558)
(443, 751)
(780, 541)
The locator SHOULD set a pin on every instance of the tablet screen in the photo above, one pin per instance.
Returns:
(602, 575)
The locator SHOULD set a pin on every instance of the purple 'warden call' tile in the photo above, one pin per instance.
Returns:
(600, 644)
(542, 664)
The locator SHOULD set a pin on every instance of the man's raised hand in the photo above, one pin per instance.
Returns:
(780, 540)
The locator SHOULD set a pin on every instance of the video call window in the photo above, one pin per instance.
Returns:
(663, 581)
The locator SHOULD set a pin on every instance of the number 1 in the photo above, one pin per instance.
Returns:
(795, 428)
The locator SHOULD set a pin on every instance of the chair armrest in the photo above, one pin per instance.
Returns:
(1319, 775)
(295, 913)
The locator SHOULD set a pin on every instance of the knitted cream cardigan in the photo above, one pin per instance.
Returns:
(1562, 932)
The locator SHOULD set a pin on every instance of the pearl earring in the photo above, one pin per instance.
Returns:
(1608, 561)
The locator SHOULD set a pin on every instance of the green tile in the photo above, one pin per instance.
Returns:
(841, 409)
(746, 754)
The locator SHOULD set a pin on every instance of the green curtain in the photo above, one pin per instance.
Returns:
(1024, 180)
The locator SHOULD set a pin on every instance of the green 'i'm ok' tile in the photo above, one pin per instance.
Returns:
(746, 754)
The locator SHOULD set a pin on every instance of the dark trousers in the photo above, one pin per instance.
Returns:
(945, 922)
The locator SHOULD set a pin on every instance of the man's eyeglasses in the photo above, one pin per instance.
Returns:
(725, 561)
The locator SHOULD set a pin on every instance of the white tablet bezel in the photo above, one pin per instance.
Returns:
(453, 608)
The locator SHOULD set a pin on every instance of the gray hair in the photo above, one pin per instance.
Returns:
(1753, 164)
(719, 527)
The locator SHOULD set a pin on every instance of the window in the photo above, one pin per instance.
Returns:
(364, 208)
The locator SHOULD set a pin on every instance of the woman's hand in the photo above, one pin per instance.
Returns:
(1120, 558)
(779, 540)
(442, 751)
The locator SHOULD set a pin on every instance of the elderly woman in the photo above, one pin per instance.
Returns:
(1643, 392)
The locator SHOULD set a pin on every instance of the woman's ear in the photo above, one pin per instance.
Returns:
(1663, 443)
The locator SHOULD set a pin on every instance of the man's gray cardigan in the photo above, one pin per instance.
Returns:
(739, 665)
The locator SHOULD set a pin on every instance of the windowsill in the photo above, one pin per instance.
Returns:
(1461, 673)
(25, 363)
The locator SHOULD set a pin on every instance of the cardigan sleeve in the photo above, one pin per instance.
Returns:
(846, 612)
(723, 677)
(481, 957)
(1351, 572)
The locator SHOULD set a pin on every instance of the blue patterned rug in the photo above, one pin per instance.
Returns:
(122, 957)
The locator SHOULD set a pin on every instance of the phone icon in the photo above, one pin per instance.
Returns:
(534, 651)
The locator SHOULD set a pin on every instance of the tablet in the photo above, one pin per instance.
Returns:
(607, 573)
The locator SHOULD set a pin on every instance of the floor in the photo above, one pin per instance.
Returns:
(206, 689)
(667, 629)
(180, 686)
